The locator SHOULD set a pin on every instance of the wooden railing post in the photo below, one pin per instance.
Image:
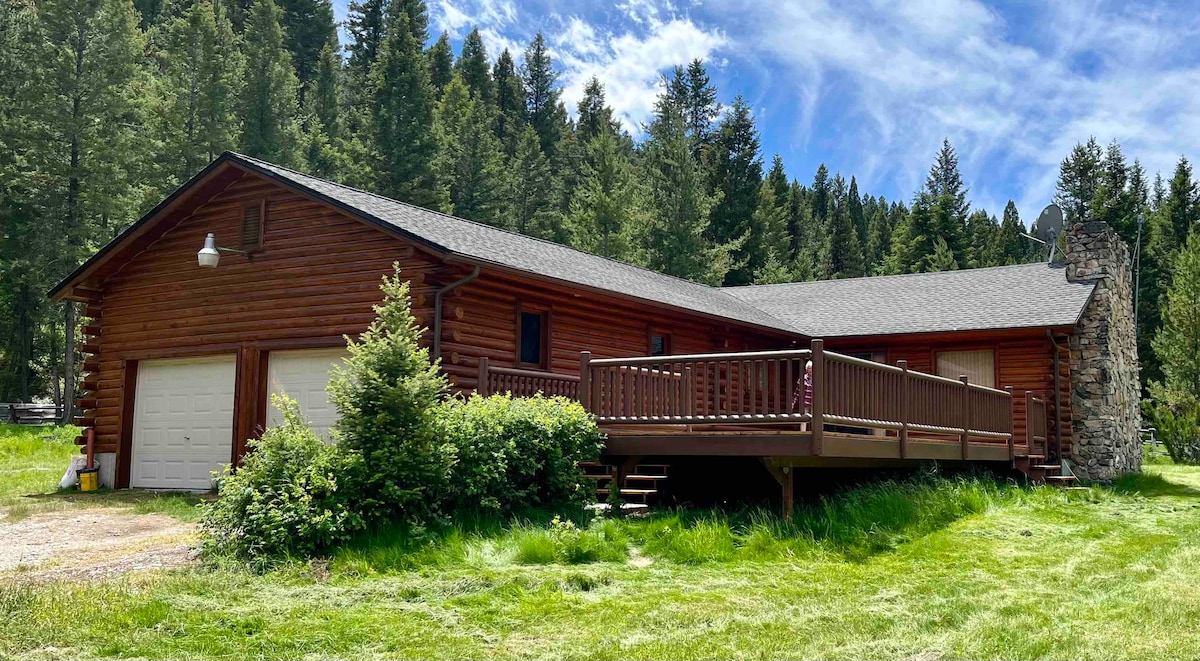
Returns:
(1012, 449)
(482, 386)
(1028, 422)
(818, 400)
(904, 412)
(585, 380)
(966, 417)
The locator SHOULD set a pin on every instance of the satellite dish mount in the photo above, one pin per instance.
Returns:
(1049, 226)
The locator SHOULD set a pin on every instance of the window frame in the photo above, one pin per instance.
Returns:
(545, 340)
(667, 342)
(994, 348)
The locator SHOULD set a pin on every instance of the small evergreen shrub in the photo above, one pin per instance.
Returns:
(1179, 430)
(293, 495)
(518, 453)
(387, 393)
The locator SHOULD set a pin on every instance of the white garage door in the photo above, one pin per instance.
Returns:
(183, 422)
(303, 375)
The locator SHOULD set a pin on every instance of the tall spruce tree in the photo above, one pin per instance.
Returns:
(1182, 206)
(324, 100)
(269, 106)
(1177, 343)
(542, 96)
(510, 102)
(768, 238)
(854, 206)
(700, 106)
(201, 81)
(819, 201)
(607, 205)
(982, 230)
(879, 237)
(365, 22)
(469, 158)
(595, 117)
(1010, 247)
(736, 176)
(307, 28)
(473, 66)
(403, 113)
(441, 64)
(842, 253)
(675, 239)
(1078, 178)
(533, 192)
(778, 180)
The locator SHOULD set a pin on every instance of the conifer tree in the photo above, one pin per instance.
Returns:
(469, 159)
(778, 180)
(324, 98)
(820, 201)
(1177, 343)
(365, 22)
(854, 206)
(700, 106)
(441, 64)
(1181, 208)
(542, 96)
(473, 66)
(595, 117)
(200, 81)
(982, 230)
(675, 239)
(842, 257)
(737, 176)
(768, 245)
(307, 28)
(510, 102)
(1079, 176)
(270, 128)
(533, 193)
(1113, 202)
(879, 237)
(1010, 247)
(607, 205)
(403, 113)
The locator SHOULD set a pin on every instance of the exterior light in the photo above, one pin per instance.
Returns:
(210, 255)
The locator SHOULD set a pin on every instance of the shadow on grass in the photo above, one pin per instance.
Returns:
(1151, 485)
(179, 504)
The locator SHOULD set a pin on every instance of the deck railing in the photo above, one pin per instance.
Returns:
(760, 388)
(525, 383)
(1036, 424)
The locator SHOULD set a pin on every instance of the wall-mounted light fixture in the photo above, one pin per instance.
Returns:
(210, 255)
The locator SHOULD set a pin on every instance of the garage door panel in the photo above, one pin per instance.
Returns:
(183, 422)
(303, 376)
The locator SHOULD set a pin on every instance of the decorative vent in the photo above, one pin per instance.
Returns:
(252, 226)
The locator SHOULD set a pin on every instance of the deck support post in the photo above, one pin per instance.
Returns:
(903, 365)
(1012, 449)
(585, 380)
(785, 476)
(965, 436)
(818, 399)
(482, 386)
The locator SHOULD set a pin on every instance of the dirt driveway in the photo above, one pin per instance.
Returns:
(92, 543)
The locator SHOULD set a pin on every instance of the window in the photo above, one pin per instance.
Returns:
(532, 339)
(660, 344)
(253, 218)
(978, 366)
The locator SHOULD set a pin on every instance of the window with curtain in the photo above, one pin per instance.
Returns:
(979, 366)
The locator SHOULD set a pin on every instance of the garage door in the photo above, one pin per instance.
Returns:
(183, 422)
(303, 375)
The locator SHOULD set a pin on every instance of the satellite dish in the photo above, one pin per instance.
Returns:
(1049, 226)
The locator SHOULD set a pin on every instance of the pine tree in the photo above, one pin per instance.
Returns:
(324, 98)
(510, 102)
(778, 180)
(855, 209)
(700, 106)
(365, 22)
(403, 115)
(1177, 343)
(820, 195)
(768, 242)
(200, 83)
(736, 176)
(943, 258)
(469, 159)
(1079, 176)
(307, 28)
(939, 212)
(542, 96)
(1112, 202)
(842, 253)
(982, 230)
(270, 128)
(1010, 247)
(441, 64)
(674, 241)
(607, 205)
(472, 65)
(1181, 208)
(533, 192)
(595, 117)
(879, 237)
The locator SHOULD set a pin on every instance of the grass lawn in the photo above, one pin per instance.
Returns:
(936, 568)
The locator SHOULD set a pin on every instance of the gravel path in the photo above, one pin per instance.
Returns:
(93, 543)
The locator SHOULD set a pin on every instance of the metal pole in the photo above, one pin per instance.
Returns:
(1137, 272)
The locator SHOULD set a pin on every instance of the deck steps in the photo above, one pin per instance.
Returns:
(1040, 472)
(643, 485)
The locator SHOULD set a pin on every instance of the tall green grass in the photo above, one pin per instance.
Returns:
(853, 524)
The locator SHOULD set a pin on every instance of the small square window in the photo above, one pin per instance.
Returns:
(660, 345)
(532, 341)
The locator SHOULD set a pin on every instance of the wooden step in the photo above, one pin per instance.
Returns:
(1048, 467)
(596, 476)
(1060, 478)
(645, 477)
(1033, 457)
(630, 492)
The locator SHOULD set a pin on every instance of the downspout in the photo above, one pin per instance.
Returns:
(437, 310)
(1057, 400)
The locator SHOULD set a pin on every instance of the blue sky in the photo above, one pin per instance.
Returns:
(870, 87)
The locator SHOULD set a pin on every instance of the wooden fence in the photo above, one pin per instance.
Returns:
(525, 383)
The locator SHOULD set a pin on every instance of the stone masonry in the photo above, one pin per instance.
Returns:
(1104, 364)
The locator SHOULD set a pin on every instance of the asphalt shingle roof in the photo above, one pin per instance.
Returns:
(1022, 296)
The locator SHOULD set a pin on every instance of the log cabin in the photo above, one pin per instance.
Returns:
(181, 357)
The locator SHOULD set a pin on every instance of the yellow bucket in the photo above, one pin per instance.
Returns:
(89, 479)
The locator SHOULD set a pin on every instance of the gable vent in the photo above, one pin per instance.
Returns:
(252, 225)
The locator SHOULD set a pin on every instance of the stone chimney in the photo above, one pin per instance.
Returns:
(1105, 390)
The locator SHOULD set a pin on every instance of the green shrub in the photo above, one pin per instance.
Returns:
(515, 454)
(387, 393)
(293, 495)
(1179, 430)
